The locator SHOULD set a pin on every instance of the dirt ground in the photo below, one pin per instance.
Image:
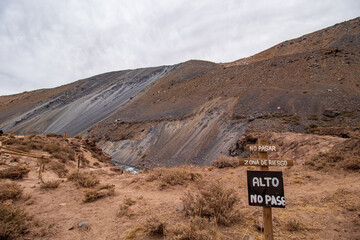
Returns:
(320, 204)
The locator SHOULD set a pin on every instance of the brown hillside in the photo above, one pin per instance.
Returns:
(103, 202)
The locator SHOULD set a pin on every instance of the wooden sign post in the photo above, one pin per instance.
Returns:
(267, 212)
(265, 188)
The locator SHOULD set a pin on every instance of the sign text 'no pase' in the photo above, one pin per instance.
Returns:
(266, 188)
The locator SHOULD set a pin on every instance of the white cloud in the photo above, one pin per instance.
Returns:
(48, 43)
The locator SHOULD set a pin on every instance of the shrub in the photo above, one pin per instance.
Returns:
(325, 160)
(155, 226)
(224, 162)
(52, 148)
(84, 179)
(23, 148)
(117, 169)
(125, 210)
(178, 176)
(129, 201)
(10, 191)
(14, 222)
(99, 192)
(15, 172)
(196, 229)
(54, 135)
(35, 146)
(293, 225)
(58, 168)
(172, 176)
(212, 201)
(50, 184)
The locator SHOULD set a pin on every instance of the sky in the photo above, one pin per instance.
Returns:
(48, 43)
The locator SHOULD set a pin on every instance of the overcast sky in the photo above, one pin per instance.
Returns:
(47, 43)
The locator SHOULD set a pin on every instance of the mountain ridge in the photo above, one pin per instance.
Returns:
(194, 111)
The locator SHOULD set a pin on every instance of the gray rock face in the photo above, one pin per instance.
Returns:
(94, 99)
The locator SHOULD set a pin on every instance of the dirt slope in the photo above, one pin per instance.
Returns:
(320, 204)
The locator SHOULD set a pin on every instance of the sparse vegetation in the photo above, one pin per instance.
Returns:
(293, 225)
(155, 226)
(196, 229)
(62, 153)
(117, 169)
(172, 176)
(84, 179)
(129, 201)
(58, 168)
(133, 233)
(224, 162)
(345, 158)
(54, 135)
(101, 191)
(125, 210)
(313, 118)
(213, 201)
(15, 172)
(14, 222)
(10, 191)
(52, 184)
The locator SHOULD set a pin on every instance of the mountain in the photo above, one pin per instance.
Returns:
(192, 112)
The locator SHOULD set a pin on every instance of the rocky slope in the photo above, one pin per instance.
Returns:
(195, 111)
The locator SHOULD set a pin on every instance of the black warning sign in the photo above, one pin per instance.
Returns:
(266, 188)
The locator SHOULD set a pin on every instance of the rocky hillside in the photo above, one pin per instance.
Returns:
(195, 111)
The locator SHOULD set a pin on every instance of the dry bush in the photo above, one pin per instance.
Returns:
(196, 229)
(133, 233)
(346, 159)
(14, 222)
(58, 168)
(224, 161)
(62, 153)
(10, 191)
(90, 195)
(117, 169)
(125, 210)
(35, 146)
(15, 172)
(172, 176)
(351, 164)
(68, 152)
(52, 148)
(128, 201)
(84, 179)
(13, 141)
(294, 225)
(23, 148)
(52, 184)
(155, 226)
(213, 201)
(54, 135)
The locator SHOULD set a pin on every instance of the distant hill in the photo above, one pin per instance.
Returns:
(195, 111)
